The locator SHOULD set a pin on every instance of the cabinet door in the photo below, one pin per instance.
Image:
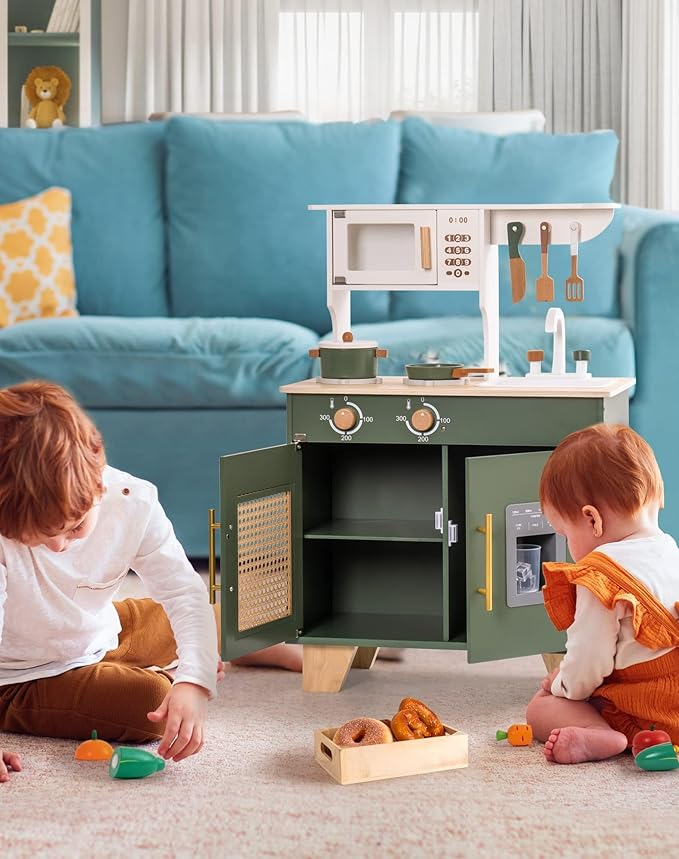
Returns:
(260, 495)
(496, 631)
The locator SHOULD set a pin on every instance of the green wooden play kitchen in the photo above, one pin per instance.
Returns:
(403, 511)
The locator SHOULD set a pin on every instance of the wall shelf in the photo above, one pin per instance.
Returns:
(77, 53)
(43, 40)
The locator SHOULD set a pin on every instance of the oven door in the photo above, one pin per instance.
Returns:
(384, 247)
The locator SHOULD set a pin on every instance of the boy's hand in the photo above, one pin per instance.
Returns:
(8, 759)
(546, 683)
(184, 707)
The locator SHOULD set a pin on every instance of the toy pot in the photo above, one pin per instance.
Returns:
(349, 359)
(131, 762)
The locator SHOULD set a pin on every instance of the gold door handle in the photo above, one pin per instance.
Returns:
(425, 247)
(213, 526)
(488, 590)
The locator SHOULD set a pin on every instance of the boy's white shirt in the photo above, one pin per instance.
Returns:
(56, 608)
(601, 640)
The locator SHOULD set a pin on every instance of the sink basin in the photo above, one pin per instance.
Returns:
(546, 380)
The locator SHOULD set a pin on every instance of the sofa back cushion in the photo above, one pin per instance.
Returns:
(114, 174)
(454, 165)
(242, 241)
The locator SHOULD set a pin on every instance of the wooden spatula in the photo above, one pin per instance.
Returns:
(544, 285)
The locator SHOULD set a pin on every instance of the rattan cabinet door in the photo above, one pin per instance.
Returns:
(260, 495)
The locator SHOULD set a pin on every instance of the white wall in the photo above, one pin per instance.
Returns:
(113, 60)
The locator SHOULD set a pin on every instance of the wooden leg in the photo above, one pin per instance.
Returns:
(365, 657)
(325, 668)
(552, 660)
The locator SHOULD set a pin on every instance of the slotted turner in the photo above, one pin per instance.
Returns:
(544, 285)
(575, 285)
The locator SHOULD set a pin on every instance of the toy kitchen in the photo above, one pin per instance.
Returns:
(403, 511)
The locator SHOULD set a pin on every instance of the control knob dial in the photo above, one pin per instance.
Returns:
(423, 420)
(345, 418)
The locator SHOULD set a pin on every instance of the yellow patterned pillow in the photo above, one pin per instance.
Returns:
(36, 264)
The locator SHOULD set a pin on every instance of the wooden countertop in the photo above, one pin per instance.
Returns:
(506, 386)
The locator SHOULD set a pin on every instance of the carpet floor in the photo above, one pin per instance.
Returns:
(256, 791)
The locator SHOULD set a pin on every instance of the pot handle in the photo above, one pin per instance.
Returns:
(314, 353)
(381, 353)
(461, 372)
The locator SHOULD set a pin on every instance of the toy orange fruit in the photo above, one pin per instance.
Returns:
(516, 735)
(94, 750)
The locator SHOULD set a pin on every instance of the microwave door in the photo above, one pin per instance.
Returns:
(374, 248)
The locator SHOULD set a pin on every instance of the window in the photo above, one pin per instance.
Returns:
(338, 59)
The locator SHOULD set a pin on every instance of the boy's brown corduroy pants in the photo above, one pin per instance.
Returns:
(112, 697)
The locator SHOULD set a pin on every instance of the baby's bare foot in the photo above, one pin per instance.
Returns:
(576, 745)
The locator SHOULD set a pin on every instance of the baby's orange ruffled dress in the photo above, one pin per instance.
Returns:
(643, 694)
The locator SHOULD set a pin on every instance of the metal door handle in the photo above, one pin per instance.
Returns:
(213, 526)
(438, 520)
(488, 590)
(425, 247)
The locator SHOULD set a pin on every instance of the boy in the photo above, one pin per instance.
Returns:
(602, 489)
(71, 527)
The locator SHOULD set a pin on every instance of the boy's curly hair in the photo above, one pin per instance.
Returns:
(51, 460)
(606, 465)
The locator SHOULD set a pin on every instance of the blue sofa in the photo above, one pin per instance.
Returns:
(200, 276)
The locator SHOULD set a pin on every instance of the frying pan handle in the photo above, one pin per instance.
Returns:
(461, 372)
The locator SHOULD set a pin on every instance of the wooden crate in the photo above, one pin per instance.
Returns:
(349, 765)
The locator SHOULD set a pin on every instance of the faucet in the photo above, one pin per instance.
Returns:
(555, 323)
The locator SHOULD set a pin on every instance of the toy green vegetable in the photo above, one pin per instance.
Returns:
(130, 762)
(657, 758)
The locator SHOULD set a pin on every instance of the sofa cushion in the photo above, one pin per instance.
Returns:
(114, 174)
(455, 165)
(241, 239)
(36, 262)
(460, 339)
(110, 362)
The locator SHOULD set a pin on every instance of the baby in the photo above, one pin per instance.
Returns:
(602, 489)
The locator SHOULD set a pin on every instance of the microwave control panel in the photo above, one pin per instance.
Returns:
(458, 247)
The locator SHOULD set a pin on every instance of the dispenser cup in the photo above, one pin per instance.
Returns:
(527, 568)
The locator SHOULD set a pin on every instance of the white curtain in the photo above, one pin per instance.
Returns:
(359, 59)
(200, 56)
(670, 110)
(643, 88)
(562, 57)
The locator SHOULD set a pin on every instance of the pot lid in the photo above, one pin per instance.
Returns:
(352, 344)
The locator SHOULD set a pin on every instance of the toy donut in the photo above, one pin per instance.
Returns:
(415, 721)
(363, 732)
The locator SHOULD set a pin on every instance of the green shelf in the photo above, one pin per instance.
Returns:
(42, 40)
(384, 530)
(372, 630)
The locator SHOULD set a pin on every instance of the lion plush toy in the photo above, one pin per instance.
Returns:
(47, 89)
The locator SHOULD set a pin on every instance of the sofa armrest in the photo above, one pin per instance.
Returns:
(650, 306)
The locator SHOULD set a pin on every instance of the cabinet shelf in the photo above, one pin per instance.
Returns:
(386, 530)
(43, 40)
(373, 630)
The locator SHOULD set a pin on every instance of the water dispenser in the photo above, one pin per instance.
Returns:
(531, 540)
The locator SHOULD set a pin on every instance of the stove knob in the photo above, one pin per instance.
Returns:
(345, 418)
(423, 420)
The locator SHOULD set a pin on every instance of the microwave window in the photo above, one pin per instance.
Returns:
(381, 247)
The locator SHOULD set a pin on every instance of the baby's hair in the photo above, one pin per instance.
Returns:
(606, 465)
(51, 461)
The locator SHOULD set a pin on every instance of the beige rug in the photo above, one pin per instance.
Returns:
(256, 791)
